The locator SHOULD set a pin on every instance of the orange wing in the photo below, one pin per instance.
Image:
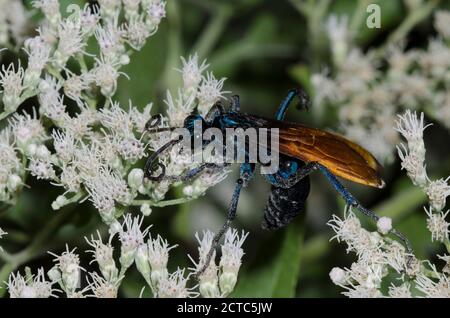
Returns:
(341, 156)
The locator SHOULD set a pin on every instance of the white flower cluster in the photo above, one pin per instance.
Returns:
(379, 256)
(151, 256)
(411, 128)
(219, 281)
(367, 95)
(13, 23)
(94, 150)
(199, 92)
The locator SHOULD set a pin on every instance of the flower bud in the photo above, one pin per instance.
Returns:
(142, 262)
(14, 182)
(135, 178)
(146, 210)
(54, 274)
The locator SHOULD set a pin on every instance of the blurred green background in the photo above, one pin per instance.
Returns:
(263, 48)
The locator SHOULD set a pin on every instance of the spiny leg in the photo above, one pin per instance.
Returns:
(351, 201)
(230, 217)
(303, 102)
(246, 173)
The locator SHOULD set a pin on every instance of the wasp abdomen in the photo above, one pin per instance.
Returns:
(285, 204)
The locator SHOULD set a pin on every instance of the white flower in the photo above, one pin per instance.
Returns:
(131, 238)
(110, 40)
(158, 256)
(27, 129)
(442, 23)
(413, 163)
(17, 287)
(208, 280)
(11, 80)
(135, 178)
(325, 89)
(17, 18)
(101, 287)
(117, 120)
(339, 35)
(140, 119)
(90, 16)
(209, 92)
(75, 85)
(130, 148)
(38, 55)
(438, 191)
(137, 32)
(34, 286)
(69, 265)
(411, 126)
(103, 255)
(437, 225)
(174, 286)
(104, 188)
(338, 276)
(402, 291)
(360, 291)
(41, 168)
(71, 42)
(156, 11)
(109, 8)
(10, 164)
(384, 225)
(64, 144)
(231, 260)
(179, 109)
(132, 6)
(50, 9)
(367, 245)
(431, 288)
(192, 72)
(105, 76)
(357, 69)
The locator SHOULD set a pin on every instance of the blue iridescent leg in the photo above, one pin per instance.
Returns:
(246, 173)
(303, 102)
(351, 201)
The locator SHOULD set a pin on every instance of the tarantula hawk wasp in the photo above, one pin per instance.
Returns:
(302, 151)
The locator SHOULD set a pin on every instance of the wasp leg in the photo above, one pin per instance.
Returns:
(192, 174)
(215, 111)
(351, 201)
(235, 103)
(245, 175)
(303, 102)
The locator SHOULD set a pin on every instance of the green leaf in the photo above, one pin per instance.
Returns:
(278, 276)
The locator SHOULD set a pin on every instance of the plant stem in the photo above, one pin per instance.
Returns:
(15, 260)
(161, 204)
(212, 32)
(358, 16)
(4, 274)
(414, 17)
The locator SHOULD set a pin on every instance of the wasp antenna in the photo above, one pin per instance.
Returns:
(158, 130)
(152, 159)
